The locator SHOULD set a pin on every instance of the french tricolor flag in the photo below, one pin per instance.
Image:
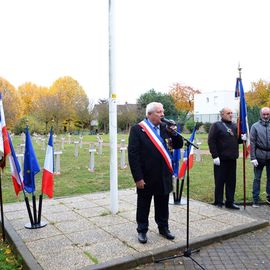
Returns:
(15, 169)
(4, 144)
(182, 171)
(47, 177)
(242, 120)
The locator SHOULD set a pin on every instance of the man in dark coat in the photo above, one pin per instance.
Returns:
(223, 145)
(151, 167)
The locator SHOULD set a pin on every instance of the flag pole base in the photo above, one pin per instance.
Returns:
(183, 201)
(35, 226)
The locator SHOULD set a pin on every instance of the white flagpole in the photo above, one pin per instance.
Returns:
(112, 112)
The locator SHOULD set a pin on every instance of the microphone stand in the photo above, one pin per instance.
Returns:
(188, 251)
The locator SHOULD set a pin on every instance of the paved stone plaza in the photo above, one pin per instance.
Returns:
(82, 234)
(249, 251)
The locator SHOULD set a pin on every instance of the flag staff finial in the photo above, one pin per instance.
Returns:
(239, 70)
(52, 123)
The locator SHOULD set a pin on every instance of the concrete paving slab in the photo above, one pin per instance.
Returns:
(89, 237)
(13, 215)
(49, 245)
(81, 204)
(108, 220)
(18, 224)
(74, 226)
(28, 235)
(70, 259)
(93, 212)
(104, 251)
(82, 234)
(55, 208)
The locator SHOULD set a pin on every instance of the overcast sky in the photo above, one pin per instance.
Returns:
(159, 42)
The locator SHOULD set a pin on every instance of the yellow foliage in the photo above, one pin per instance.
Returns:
(183, 97)
(11, 102)
(29, 94)
(8, 251)
(72, 101)
(259, 95)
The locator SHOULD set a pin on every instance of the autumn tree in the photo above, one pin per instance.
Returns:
(11, 102)
(28, 93)
(45, 107)
(183, 97)
(70, 101)
(259, 95)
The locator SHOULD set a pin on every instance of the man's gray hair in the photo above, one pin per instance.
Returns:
(151, 107)
(264, 109)
(224, 109)
(221, 111)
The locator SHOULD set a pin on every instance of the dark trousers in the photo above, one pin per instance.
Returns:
(225, 175)
(257, 179)
(161, 203)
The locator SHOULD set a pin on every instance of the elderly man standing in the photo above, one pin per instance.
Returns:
(260, 153)
(224, 148)
(151, 167)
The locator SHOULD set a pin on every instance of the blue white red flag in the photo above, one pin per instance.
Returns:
(4, 143)
(242, 120)
(187, 158)
(176, 156)
(15, 169)
(47, 177)
(31, 166)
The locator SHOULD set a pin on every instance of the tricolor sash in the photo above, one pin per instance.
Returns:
(158, 142)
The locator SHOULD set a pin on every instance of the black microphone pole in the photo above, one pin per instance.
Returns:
(170, 123)
(188, 251)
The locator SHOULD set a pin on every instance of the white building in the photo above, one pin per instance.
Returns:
(208, 105)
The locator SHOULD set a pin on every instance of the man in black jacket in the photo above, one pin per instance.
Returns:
(224, 148)
(151, 167)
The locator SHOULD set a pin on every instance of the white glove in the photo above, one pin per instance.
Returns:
(244, 137)
(216, 161)
(255, 162)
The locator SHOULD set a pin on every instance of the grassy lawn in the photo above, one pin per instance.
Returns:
(75, 178)
(8, 260)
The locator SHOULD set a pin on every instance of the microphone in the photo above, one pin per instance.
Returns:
(168, 121)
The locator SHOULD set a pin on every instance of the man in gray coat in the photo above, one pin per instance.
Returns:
(260, 153)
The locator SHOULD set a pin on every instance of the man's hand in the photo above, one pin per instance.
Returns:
(140, 184)
(172, 129)
(216, 161)
(244, 137)
(255, 162)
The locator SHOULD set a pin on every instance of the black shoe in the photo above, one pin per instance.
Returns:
(142, 238)
(167, 234)
(233, 206)
(219, 205)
